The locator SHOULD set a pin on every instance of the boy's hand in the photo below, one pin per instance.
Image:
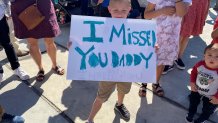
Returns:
(214, 100)
(69, 44)
(168, 10)
(193, 87)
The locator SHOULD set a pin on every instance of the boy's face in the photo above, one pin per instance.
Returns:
(211, 58)
(119, 9)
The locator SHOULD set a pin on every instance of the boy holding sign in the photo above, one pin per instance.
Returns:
(117, 9)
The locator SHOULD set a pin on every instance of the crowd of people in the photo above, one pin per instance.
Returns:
(176, 20)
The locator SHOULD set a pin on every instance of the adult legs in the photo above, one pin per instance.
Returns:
(14, 40)
(35, 52)
(182, 45)
(51, 50)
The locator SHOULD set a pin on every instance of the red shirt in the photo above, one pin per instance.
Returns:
(214, 27)
(206, 79)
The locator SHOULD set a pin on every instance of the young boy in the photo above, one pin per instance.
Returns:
(204, 85)
(117, 9)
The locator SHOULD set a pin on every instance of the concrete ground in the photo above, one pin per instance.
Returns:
(57, 100)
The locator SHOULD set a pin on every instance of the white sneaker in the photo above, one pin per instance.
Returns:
(21, 74)
(1, 77)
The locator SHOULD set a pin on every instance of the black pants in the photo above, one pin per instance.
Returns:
(7, 45)
(1, 69)
(207, 110)
(85, 8)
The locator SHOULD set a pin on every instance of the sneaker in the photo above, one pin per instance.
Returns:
(179, 64)
(215, 8)
(167, 69)
(89, 121)
(12, 118)
(1, 77)
(21, 53)
(21, 74)
(200, 120)
(122, 110)
(188, 120)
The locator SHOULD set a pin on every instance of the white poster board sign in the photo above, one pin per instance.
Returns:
(108, 49)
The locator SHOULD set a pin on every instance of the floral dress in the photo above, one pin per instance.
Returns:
(168, 29)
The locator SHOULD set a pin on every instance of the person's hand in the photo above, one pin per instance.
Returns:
(100, 1)
(214, 100)
(193, 87)
(69, 44)
(156, 48)
(168, 10)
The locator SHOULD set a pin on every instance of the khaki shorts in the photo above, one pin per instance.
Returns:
(105, 89)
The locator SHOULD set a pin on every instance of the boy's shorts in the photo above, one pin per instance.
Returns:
(105, 89)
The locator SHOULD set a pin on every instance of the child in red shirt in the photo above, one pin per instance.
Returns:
(204, 85)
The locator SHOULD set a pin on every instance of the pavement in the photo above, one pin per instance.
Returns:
(57, 100)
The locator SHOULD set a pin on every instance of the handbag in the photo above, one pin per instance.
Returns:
(31, 17)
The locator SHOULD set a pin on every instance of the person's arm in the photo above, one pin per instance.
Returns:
(181, 7)
(193, 78)
(194, 73)
(100, 1)
(214, 34)
(150, 11)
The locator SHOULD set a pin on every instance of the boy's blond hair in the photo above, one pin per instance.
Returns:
(115, 1)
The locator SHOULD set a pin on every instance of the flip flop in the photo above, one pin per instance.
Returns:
(59, 70)
(157, 89)
(40, 75)
(142, 90)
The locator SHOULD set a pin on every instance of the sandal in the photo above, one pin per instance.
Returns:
(40, 75)
(59, 70)
(142, 90)
(157, 89)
